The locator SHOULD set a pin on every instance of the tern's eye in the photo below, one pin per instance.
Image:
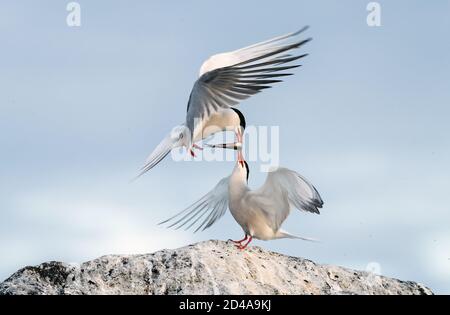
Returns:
(181, 136)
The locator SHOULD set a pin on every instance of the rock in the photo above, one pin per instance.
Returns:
(211, 267)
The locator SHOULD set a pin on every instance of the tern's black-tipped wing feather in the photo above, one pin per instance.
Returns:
(228, 78)
(204, 212)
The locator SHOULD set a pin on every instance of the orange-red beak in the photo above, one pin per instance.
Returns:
(239, 135)
(240, 158)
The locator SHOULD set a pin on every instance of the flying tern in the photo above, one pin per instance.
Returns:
(224, 81)
(259, 212)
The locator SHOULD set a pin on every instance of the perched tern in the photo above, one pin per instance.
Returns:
(224, 81)
(259, 212)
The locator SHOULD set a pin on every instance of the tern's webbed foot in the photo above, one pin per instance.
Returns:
(239, 245)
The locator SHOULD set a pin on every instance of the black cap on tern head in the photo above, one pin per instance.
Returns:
(241, 118)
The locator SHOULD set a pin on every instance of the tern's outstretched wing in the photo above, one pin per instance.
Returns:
(158, 154)
(228, 78)
(300, 193)
(209, 209)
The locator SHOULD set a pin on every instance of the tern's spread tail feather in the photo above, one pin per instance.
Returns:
(284, 234)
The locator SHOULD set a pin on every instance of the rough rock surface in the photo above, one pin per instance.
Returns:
(211, 267)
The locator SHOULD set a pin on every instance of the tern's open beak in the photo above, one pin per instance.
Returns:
(240, 158)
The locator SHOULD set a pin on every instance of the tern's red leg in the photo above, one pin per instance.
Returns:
(240, 241)
(197, 146)
(192, 153)
(242, 247)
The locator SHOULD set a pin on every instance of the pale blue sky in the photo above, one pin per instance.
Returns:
(365, 119)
